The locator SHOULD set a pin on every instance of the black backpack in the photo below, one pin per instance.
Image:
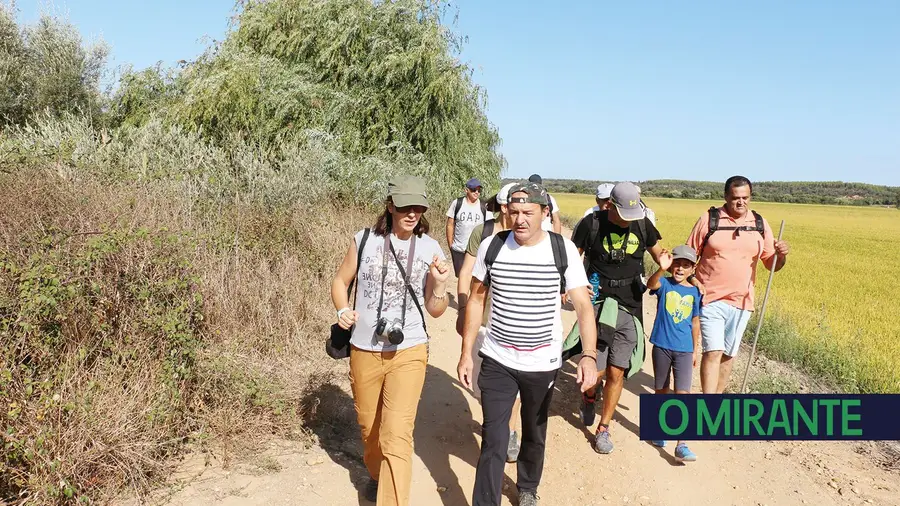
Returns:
(557, 244)
(459, 202)
(595, 230)
(759, 226)
(487, 230)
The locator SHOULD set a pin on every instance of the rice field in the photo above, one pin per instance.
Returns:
(832, 308)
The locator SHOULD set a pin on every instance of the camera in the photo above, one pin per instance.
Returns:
(617, 256)
(392, 331)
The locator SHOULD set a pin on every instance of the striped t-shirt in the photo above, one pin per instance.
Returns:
(524, 329)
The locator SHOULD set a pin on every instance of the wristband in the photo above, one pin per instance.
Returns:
(342, 311)
(590, 353)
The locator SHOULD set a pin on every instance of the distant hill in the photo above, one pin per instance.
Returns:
(800, 192)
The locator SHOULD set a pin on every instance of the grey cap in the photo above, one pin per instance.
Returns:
(408, 191)
(686, 252)
(604, 190)
(627, 199)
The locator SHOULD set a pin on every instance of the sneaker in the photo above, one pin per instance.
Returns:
(528, 498)
(684, 454)
(588, 411)
(659, 442)
(371, 491)
(602, 442)
(512, 449)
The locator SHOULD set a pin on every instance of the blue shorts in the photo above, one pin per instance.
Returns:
(722, 326)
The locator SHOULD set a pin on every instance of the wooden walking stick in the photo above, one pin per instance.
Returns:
(762, 313)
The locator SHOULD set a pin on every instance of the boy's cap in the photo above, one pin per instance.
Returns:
(536, 194)
(686, 252)
(627, 200)
(503, 194)
(534, 178)
(474, 183)
(408, 191)
(604, 190)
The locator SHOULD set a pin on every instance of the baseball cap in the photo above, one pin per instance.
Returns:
(603, 190)
(503, 194)
(473, 183)
(534, 178)
(686, 252)
(627, 200)
(536, 194)
(408, 191)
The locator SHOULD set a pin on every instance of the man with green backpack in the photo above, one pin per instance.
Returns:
(614, 241)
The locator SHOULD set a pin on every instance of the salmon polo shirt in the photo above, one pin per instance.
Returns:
(727, 267)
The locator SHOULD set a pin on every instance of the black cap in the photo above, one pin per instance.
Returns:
(536, 179)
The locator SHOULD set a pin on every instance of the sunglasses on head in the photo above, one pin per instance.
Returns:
(415, 209)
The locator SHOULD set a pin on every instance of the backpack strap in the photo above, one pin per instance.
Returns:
(488, 230)
(560, 259)
(592, 237)
(492, 252)
(483, 211)
(760, 224)
(456, 208)
(713, 226)
(362, 244)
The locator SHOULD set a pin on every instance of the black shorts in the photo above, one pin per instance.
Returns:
(665, 361)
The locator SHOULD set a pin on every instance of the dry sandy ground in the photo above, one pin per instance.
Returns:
(447, 440)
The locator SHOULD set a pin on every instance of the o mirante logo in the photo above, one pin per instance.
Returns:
(769, 417)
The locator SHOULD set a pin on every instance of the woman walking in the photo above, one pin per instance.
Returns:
(402, 272)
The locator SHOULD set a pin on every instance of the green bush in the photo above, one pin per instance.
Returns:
(46, 67)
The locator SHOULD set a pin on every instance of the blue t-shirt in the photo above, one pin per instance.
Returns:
(676, 308)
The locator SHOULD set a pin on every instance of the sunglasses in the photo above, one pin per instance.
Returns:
(415, 209)
(476, 190)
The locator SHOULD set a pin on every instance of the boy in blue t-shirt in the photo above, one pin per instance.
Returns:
(676, 330)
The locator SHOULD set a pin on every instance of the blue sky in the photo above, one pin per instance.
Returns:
(774, 90)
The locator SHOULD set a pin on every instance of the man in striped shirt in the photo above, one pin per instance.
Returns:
(522, 351)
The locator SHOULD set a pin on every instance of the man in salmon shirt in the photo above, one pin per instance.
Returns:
(727, 269)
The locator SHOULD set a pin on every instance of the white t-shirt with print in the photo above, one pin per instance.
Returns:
(369, 290)
(525, 330)
(547, 224)
(468, 217)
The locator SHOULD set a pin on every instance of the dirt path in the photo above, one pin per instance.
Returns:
(447, 440)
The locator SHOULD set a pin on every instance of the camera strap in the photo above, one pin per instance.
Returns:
(384, 262)
(409, 289)
(624, 242)
(389, 246)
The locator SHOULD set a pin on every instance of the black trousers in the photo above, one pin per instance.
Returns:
(499, 385)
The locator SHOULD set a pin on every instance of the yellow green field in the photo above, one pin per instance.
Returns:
(832, 308)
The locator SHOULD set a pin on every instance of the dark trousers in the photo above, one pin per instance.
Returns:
(499, 385)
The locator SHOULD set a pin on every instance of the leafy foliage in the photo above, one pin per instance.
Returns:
(379, 78)
(47, 67)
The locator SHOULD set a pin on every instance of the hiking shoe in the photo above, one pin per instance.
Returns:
(512, 449)
(684, 454)
(659, 442)
(528, 498)
(371, 491)
(602, 442)
(588, 411)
